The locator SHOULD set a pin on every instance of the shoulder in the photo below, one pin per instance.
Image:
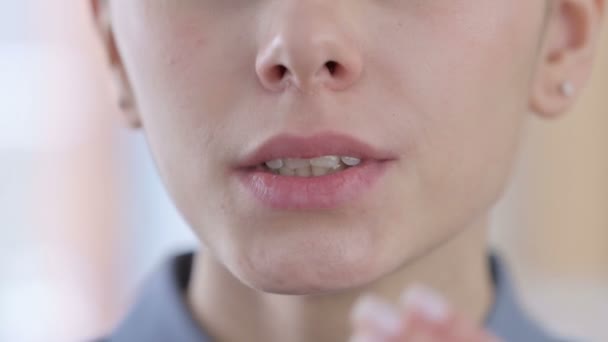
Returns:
(507, 318)
(101, 339)
(160, 312)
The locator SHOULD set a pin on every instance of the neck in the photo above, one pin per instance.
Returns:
(457, 269)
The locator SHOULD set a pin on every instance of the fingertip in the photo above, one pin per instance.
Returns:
(430, 304)
(363, 338)
(374, 313)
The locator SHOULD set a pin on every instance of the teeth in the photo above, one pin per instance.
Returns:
(351, 161)
(303, 171)
(287, 172)
(275, 164)
(331, 162)
(311, 167)
(296, 163)
(319, 171)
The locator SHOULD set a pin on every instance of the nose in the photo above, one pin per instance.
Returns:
(309, 45)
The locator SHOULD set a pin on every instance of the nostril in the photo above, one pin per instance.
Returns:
(331, 66)
(276, 73)
(281, 70)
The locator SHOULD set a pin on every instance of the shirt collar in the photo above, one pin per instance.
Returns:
(507, 318)
(161, 312)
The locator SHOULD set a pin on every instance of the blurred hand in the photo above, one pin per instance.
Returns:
(423, 317)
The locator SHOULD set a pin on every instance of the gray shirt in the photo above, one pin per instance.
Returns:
(161, 313)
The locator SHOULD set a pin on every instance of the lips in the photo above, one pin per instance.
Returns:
(291, 146)
(281, 192)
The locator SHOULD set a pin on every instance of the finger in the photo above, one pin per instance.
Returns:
(418, 329)
(427, 313)
(375, 320)
(463, 329)
(364, 337)
(373, 316)
(471, 332)
(427, 303)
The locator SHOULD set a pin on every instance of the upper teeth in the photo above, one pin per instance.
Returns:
(351, 161)
(315, 166)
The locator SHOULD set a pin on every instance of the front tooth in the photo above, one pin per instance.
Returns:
(319, 171)
(338, 169)
(351, 161)
(303, 171)
(330, 162)
(287, 172)
(275, 164)
(296, 163)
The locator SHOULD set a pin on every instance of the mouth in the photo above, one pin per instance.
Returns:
(311, 167)
(317, 172)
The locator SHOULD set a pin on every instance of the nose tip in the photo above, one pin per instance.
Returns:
(309, 64)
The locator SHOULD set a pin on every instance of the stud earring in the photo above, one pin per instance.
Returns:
(567, 88)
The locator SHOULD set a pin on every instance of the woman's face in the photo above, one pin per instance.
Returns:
(438, 88)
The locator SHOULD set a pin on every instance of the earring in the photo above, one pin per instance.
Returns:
(567, 88)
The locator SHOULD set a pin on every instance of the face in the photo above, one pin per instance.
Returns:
(438, 90)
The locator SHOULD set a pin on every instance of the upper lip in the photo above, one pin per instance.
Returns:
(321, 144)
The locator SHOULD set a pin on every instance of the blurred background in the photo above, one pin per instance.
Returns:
(83, 215)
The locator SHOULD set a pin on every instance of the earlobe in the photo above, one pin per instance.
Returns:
(552, 94)
(566, 56)
(551, 99)
(123, 94)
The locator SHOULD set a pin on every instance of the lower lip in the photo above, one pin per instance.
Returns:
(321, 192)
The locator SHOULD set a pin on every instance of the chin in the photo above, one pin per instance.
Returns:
(310, 268)
(305, 282)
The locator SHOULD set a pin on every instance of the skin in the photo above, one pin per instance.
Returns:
(447, 86)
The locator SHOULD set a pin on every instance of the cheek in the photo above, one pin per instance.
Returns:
(175, 56)
(463, 100)
(170, 66)
(479, 104)
(468, 82)
(181, 68)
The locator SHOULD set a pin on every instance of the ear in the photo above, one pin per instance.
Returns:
(566, 55)
(124, 93)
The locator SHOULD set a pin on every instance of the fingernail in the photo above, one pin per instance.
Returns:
(429, 303)
(382, 315)
(363, 338)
